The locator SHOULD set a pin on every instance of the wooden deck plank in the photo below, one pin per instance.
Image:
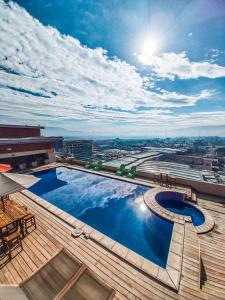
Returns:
(212, 245)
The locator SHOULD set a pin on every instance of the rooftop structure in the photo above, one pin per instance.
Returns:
(21, 126)
(19, 131)
(127, 160)
(148, 154)
(24, 147)
(171, 168)
(165, 150)
(165, 162)
(174, 169)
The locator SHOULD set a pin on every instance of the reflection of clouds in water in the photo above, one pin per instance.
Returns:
(86, 190)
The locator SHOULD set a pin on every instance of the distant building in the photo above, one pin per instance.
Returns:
(24, 147)
(200, 162)
(58, 146)
(79, 149)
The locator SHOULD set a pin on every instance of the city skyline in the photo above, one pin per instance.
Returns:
(114, 68)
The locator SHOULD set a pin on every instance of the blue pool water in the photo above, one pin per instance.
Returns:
(174, 202)
(109, 206)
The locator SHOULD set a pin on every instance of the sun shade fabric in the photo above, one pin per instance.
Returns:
(11, 183)
(25, 180)
(5, 168)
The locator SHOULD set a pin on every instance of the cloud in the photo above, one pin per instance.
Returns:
(172, 65)
(190, 34)
(39, 61)
(49, 78)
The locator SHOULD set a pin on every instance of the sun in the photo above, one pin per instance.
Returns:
(149, 47)
(148, 50)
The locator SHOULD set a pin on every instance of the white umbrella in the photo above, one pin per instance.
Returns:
(25, 181)
(12, 183)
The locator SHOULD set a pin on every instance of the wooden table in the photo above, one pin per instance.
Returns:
(16, 213)
(2, 202)
(4, 220)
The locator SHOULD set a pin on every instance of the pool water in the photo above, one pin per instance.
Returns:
(174, 202)
(111, 206)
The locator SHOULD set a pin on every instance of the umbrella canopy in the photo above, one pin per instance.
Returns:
(5, 168)
(12, 182)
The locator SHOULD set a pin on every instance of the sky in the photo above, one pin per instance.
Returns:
(110, 68)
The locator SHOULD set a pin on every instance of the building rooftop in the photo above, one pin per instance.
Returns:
(155, 166)
(166, 150)
(29, 140)
(77, 141)
(173, 169)
(123, 160)
(21, 126)
(146, 154)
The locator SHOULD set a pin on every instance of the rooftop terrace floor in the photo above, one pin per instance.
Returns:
(52, 234)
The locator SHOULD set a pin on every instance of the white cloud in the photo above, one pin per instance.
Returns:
(52, 79)
(190, 34)
(172, 65)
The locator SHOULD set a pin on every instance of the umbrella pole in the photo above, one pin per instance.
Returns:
(3, 204)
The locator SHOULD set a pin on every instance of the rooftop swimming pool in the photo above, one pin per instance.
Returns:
(113, 207)
(173, 201)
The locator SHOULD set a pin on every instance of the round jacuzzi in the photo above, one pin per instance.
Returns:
(174, 202)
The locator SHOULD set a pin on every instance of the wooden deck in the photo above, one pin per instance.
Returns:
(38, 248)
(52, 234)
(213, 248)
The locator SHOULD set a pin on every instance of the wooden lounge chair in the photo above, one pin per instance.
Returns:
(171, 181)
(12, 292)
(63, 277)
(157, 178)
(163, 179)
(85, 285)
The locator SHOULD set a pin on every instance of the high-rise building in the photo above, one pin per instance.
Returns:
(79, 149)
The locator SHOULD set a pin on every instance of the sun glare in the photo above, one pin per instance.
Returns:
(142, 206)
(149, 47)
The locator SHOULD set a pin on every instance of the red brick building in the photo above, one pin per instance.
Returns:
(24, 147)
